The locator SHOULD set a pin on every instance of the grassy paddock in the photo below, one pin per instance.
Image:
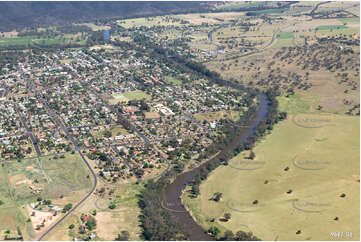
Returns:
(63, 176)
(323, 163)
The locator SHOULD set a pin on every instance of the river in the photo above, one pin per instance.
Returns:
(171, 200)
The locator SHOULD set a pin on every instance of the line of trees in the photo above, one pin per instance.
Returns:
(157, 222)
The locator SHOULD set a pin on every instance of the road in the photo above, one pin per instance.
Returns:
(77, 148)
(316, 7)
(70, 137)
(30, 133)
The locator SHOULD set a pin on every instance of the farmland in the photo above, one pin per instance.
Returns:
(30, 40)
(318, 174)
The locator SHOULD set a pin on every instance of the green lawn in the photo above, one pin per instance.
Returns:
(128, 96)
(173, 80)
(136, 95)
(285, 35)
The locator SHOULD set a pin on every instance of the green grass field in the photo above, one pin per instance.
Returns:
(279, 43)
(350, 20)
(16, 41)
(28, 40)
(323, 163)
(346, 31)
(293, 104)
(285, 35)
(136, 95)
(173, 80)
(128, 96)
(65, 175)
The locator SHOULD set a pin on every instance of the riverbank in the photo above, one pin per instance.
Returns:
(172, 194)
(297, 177)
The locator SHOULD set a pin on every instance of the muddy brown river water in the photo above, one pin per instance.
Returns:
(171, 199)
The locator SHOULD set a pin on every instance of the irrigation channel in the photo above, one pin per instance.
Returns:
(171, 199)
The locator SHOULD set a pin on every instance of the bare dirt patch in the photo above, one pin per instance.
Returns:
(19, 180)
(41, 217)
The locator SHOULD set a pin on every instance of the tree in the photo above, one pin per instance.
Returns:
(47, 202)
(67, 207)
(112, 206)
(214, 231)
(91, 223)
(243, 236)
(228, 235)
(123, 236)
(252, 155)
(195, 189)
(227, 216)
(217, 196)
(71, 226)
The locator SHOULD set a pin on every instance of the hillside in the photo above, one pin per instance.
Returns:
(18, 15)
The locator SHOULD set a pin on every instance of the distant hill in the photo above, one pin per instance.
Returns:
(18, 15)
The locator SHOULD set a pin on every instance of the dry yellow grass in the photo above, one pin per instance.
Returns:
(323, 163)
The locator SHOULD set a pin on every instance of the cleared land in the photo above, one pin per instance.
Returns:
(21, 183)
(321, 152)
(29, 40)
(110, 222)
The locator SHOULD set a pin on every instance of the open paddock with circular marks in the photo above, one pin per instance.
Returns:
(246, 165)
(311, 121)
(307, 188)
(245, 206)
(311, 165)
(102, 204)
(309, 206)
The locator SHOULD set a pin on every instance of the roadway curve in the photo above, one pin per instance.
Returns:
(77, 148)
